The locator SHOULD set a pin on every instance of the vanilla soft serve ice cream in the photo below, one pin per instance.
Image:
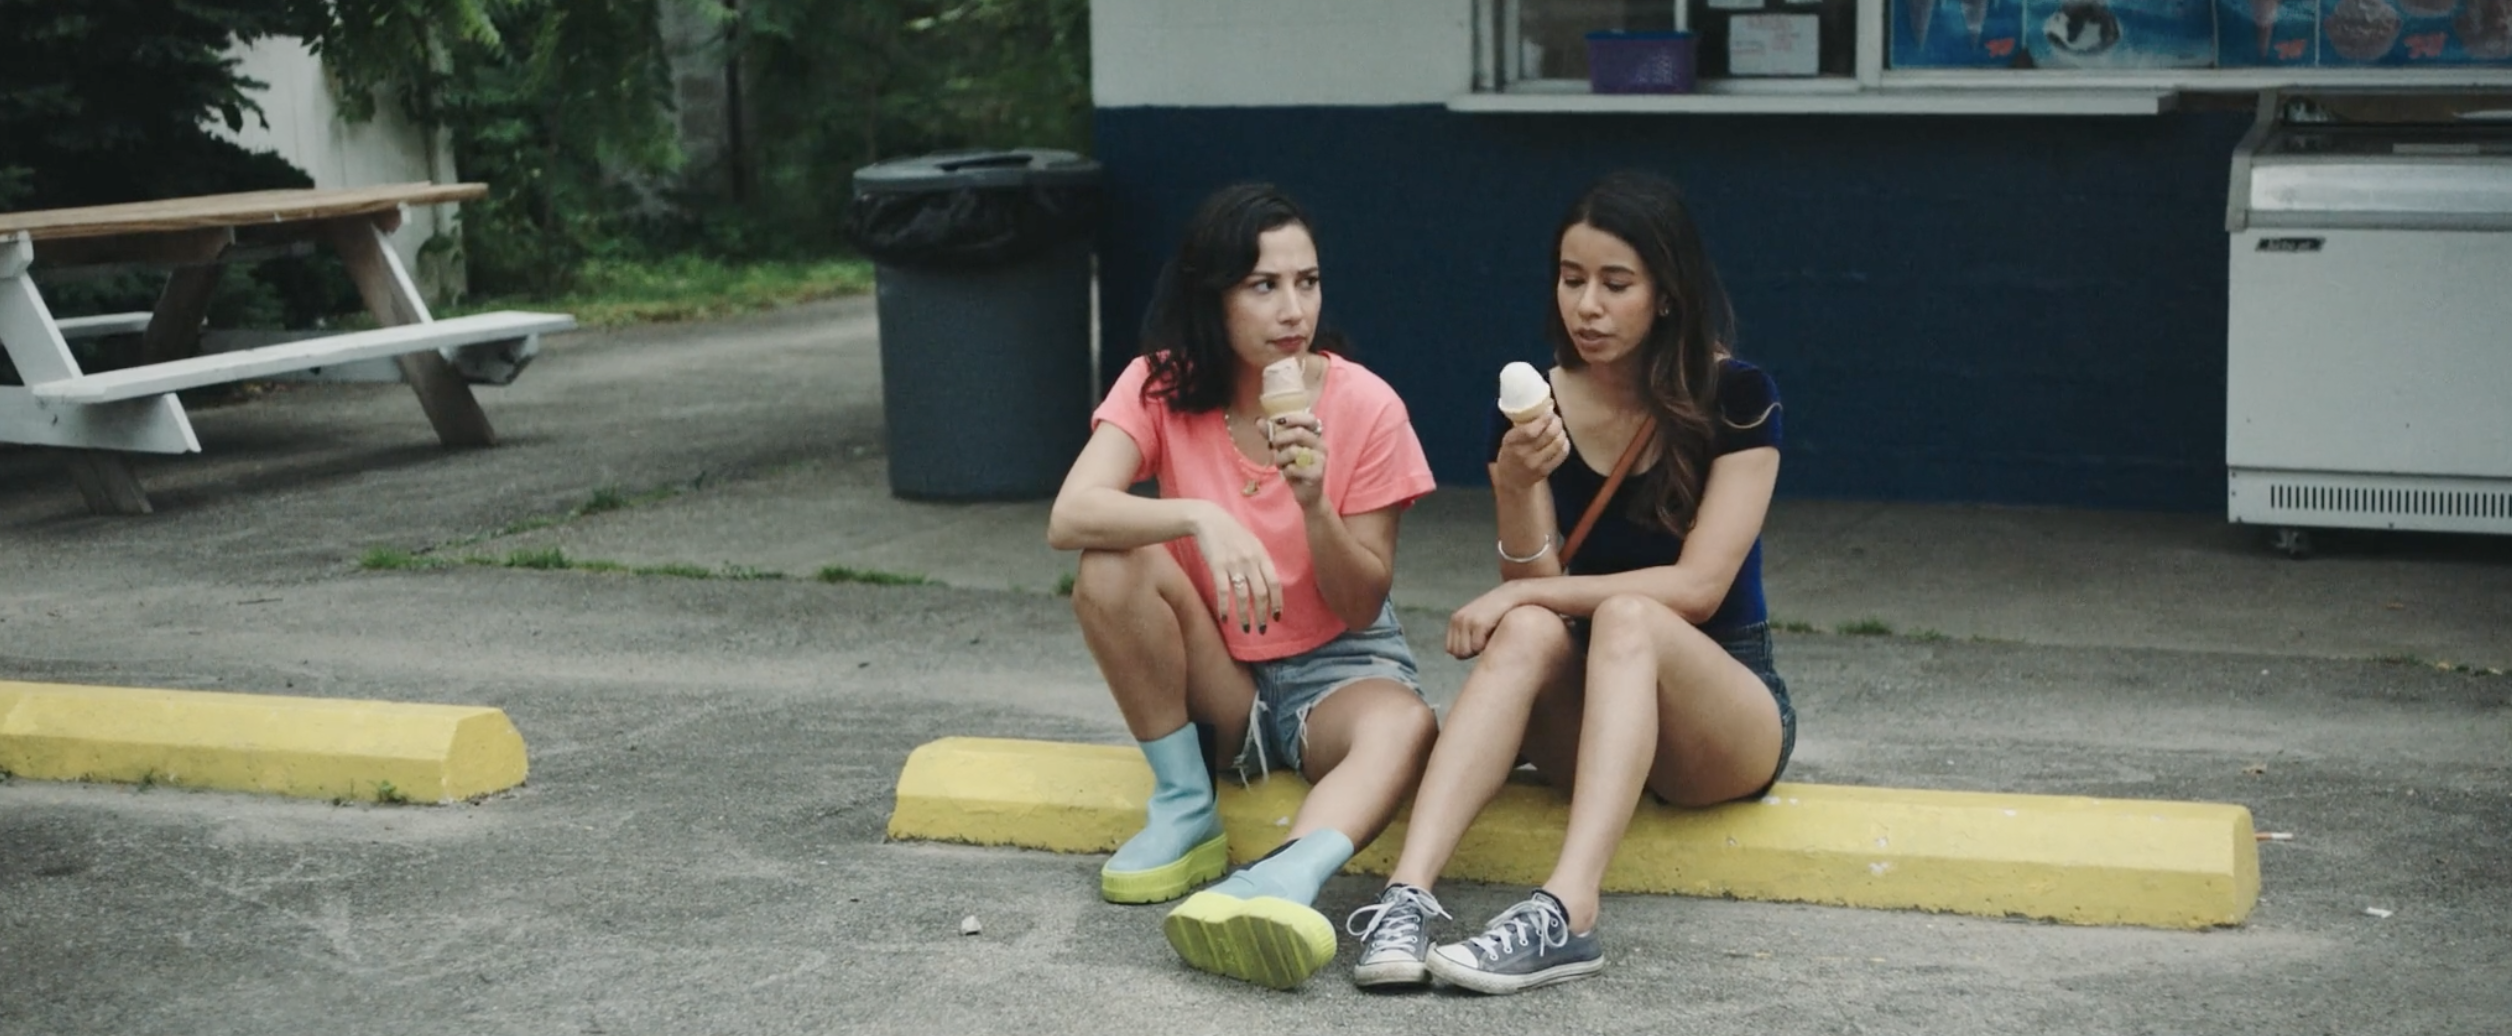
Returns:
(1524, 394)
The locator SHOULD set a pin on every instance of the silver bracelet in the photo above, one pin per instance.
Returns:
(1503, 549)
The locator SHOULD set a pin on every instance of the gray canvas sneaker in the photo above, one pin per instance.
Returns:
(1393, 945)
(1528, 945)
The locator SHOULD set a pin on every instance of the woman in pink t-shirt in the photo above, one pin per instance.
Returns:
(1242, 618)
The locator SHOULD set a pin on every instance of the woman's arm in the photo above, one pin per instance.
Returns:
(1528, 528)
(1355, 559)
(1733, 504)
(1094, 512)
(1522, 499)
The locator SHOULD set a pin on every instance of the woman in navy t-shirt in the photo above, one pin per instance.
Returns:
(1646, 664)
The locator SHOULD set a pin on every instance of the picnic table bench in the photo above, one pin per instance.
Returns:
(98, 419)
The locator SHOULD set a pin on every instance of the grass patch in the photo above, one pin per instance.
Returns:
(2461, 668)
(534, 523)
(1864, 628)
(1793, 626)
(555, 559)
(389, 795)
(1064, 585)
(1929, 636)
(603, 501)
(389, 559)
(616, 292)
(876, 577)
(545, 559)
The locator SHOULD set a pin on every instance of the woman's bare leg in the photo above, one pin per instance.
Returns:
(1154, 639)
(1665, 708)
(1366, 746)
(1530, 655)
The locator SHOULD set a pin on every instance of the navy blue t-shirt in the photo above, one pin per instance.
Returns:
(1748, 406)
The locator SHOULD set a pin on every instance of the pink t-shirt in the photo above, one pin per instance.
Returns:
(1373, 461)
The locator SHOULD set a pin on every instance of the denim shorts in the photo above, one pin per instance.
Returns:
(1288, 688)
(1749, 645)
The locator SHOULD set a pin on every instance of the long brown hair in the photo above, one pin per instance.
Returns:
(1680, 358)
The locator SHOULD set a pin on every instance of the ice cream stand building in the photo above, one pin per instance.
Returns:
(1981, 244)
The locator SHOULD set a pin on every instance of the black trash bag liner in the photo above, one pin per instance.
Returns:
(971, 210)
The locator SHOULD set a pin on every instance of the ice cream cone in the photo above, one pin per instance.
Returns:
(1286, 392)
(1524, 394)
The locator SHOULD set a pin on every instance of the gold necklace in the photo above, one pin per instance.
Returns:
(1229, 425)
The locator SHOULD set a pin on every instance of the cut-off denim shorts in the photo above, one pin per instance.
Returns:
(1749, 645)
(1287, 689)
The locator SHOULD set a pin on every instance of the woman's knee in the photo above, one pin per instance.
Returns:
(1414, 726)
(1624, 627)
(1380, 719)
(1527, 638)
(1109, 579)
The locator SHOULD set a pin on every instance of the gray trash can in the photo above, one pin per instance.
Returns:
(982, 266)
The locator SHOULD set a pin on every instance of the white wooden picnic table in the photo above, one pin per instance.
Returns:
(98, 419)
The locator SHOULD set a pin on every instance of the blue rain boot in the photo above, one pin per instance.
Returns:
(1181, 844)
(1258, 926)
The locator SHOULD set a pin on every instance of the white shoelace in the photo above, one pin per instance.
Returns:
(1386, 926)
(1526, 924)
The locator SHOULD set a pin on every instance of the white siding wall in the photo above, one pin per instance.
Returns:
(1219, 53)
(306, 128)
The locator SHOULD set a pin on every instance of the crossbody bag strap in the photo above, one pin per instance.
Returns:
(1630, 453)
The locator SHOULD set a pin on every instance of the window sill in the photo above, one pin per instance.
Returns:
(1969, 91)
(1889, 101)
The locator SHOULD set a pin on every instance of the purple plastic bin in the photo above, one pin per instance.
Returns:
(1640, 62)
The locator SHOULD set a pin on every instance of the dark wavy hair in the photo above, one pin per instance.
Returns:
(1186, 336)
(1679, 361)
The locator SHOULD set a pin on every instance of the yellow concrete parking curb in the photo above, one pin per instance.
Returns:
(2059, 858)
(324, 748)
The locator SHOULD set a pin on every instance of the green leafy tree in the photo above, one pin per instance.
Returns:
(559, 106)
(834, 85)
(563, 107)
(107, 101)
(104, 101)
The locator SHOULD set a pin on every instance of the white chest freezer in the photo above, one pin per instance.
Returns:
(2369, 345)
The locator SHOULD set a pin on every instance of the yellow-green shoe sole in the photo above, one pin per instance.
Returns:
(1169, 880)
(1268, 941)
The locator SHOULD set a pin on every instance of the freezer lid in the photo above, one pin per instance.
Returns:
(2375, 161)
(2431, 194)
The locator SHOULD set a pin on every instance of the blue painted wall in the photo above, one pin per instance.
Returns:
(2023, 311)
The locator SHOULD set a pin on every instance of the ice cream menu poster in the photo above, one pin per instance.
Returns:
(1958, 33)
(2120, 33)
(2415, 32)
(2264, 33)
(2129, 34)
